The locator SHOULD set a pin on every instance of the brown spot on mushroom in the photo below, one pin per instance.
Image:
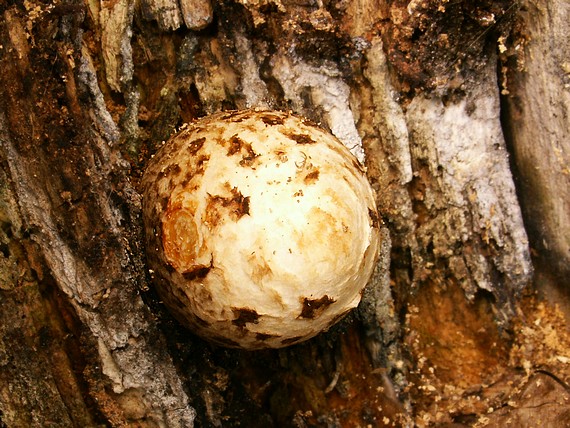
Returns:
(186, 180)
(197, 272)
(201, 164)
(169, 268)
(281, 155)
(271, 119)
(291, 340)
(237, 145)
(196, 145)
(248, 160)
(244, 316)
(264, 336)
(179, 237)
(358, 166)
(311, 177)
(164, 203)
(234, 116)
(301, 138)
(312, 308)
(173, 170)
(260, 269)
(235, 206)
(200, 321)
(308, 123)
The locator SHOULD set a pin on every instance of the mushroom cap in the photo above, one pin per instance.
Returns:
(261, 228)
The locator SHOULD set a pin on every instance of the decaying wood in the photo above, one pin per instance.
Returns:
(71, 189)
(537, 98)
(87, 93)
(171, 14)
(115, 20)
(466, 209)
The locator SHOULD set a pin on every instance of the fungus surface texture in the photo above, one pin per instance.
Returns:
(261, 228)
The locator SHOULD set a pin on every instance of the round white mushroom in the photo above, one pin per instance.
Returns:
(261, 228)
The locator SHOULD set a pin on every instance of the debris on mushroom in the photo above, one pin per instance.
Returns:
(261, 228)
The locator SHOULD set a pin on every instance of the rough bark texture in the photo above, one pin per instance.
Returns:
(468, 222)
(88, 90)
(71, 191)
(537, 118)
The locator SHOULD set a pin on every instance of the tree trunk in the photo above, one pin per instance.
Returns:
(89, 91)
(537, 109)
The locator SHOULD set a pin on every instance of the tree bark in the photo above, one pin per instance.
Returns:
(537, 109)
(90, 90)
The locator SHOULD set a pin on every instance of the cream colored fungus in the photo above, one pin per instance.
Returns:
(261, 228)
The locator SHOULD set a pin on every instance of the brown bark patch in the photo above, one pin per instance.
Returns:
(432, 42)
(460, 338)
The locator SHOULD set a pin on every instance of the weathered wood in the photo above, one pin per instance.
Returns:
(469, 225)
(39, 379)
(115, 20)
(197, 14)
(77, 206)
(537, 119)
